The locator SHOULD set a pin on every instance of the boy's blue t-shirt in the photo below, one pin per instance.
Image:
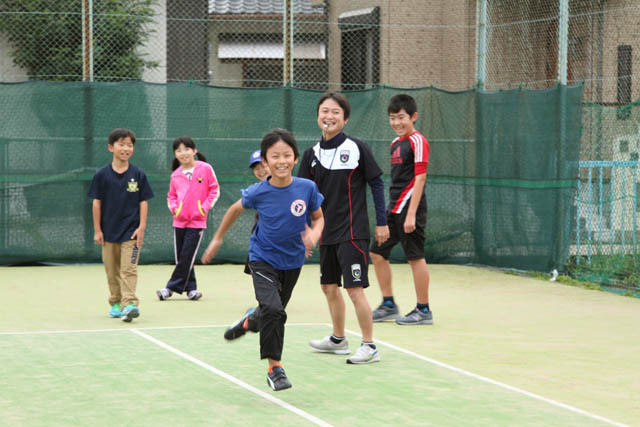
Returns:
(120, 195)
(283, 213)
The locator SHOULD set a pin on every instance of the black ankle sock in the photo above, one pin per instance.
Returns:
(388, 301)
(423, 307)
(335, 339)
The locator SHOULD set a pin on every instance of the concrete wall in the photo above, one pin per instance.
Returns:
(9, 72)
(156, 47)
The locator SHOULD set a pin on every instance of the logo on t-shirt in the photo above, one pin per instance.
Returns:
(356, 272)
(298, 207)
(132, 186)
(396, 157)
(344, 156)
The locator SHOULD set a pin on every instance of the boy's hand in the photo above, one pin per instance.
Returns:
(381, 234)
(410, 223)
(310, 239)
(139, 236)
(211, 251)
(98, 237)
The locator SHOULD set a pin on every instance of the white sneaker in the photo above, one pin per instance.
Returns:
(365, 354)
(164, 293)
(325, 345)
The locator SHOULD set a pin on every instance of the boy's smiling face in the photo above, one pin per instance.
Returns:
(260, 171)
(280, 160)
(122, 149)
(402, 123)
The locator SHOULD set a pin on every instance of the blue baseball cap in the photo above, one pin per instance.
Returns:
(255, 158)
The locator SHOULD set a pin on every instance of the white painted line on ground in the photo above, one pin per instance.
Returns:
(127, 329)
(494, 382)
(232, 379)
(408, 352)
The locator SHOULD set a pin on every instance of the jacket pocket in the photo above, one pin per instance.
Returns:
(177, 212)
(202, 212)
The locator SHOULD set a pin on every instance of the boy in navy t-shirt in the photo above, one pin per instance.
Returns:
(277, 248)
(120, 192)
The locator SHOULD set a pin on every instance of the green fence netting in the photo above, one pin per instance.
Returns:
(501, 181)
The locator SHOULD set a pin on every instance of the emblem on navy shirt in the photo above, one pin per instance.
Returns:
(298, 207)
(344, 156)
(356, 272)
(132, 186)
(313, 163)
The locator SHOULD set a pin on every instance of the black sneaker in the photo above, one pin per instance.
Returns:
(253, 325)
(239, 328)
(277, 379)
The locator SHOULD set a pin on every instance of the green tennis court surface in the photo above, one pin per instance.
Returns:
(64, 362)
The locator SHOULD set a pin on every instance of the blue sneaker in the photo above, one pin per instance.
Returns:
(416, 317)
(130, 312)
(240, 327)
(115, 311)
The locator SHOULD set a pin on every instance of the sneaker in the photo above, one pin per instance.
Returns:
(365, 354)
(240, 327)
(253, 323)
(277, 379)
(194, 295)
(115, 311)
(163, 294)
(416, 317)
(325, 345)
(384, 312)
(130, 312)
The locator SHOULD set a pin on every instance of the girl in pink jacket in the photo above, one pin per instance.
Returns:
(193, 192)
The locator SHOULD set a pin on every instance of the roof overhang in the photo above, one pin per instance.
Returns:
(269, 50)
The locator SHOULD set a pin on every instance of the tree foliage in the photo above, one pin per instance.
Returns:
(46, 37)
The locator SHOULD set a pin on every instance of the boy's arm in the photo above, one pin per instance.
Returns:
(96, 210)
(311, 235)
(232, 214)
(138, 234)
(418, 188)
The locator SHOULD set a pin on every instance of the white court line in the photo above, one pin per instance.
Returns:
(154, 328)
(494, 382)
(234, 380)
(386, 344)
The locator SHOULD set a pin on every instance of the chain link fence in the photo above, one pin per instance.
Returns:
(361, 44)
(321, 44)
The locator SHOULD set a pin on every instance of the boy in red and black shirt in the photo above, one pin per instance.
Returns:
(407, 214)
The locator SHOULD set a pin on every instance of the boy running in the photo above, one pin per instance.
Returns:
(277, 248)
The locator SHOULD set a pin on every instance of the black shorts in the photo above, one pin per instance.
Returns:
(348, 260)
(412, 243)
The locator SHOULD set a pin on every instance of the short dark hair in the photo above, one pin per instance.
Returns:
(120, 133)
(342, 101)
(402, 101)
(275, 135)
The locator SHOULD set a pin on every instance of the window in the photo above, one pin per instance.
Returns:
(360, 40)
(624, 81)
